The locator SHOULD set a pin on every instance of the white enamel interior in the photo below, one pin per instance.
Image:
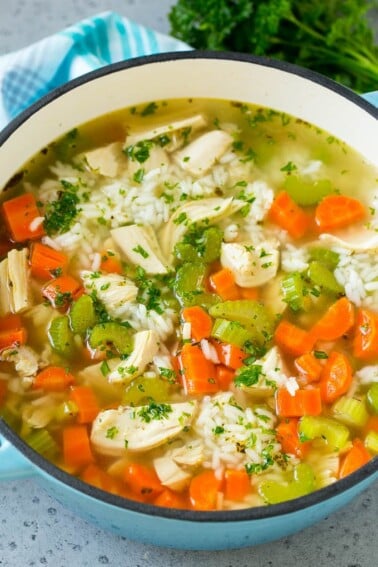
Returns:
(211, 78)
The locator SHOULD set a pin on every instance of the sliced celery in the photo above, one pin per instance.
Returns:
(293, 291)
(41, 441)
(185, 252)
(252, 315)
(372, 397)
(66, 411)
(82, 315)
(303, 483)
(350, 411)
(212, 241)
(61, 336)
(325, 256)
(371, 442)
(113, 333)
(321, 276)
(312, 427)
(306, 192)
(143, 389)
(189, 282)
(230, 332)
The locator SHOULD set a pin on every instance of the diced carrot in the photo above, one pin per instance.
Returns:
(12, 333)
(95, 476)
(337, 321)
(76, 446)
(143, 481)
(337, 211)
(365, 342)
(3, 391)
(237, 484)
(203, 490)
(197, 372)
(53, 379)
(288, 437)
(289, 216)
(86, 402)
(170, 499)
(110, 263)
(308, 367)
(45, 262)
(62, 290)
(292, 339)
(21, 216)
(224, 376)
(304, 402)
(371, 425)
(200, 322)
(249, 293)
(336, 377)
(230, 355)
(354, 459)
(223, 283)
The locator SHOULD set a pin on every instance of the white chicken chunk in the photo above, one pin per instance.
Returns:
(146, 345)
(170, 474)
(173, 129)
(106, 160)
(139, 428)
(200, 155)
(251, 265)
(114, 290)
(139, 245)
(24, 358)
(213, 209)
(157, 157)
(14, 286)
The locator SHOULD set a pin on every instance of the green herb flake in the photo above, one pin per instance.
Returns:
(155, 411)
(218, 430)
(140, 250)
(112, 432)
(248, 376)
(139, 175)
(289, 167)
(320, 354)
(104, 368)
(151, 108)
(60, 214)
(181, 218)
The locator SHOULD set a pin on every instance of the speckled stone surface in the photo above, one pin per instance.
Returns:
(36, 530)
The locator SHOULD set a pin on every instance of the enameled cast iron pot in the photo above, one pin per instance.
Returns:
(284, 87)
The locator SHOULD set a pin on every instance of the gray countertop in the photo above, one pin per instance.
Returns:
(35, 529)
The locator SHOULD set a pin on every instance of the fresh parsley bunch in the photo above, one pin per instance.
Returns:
(332, 37)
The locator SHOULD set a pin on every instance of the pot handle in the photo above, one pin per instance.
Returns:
(13, 465)
(371, 97)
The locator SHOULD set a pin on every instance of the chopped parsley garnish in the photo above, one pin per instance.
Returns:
(60, 214)
(248, 376)
(140, 250)
(62, 298)
(163, 140)
(112, 432)
(155, 411)
(185, 134)
(105, 369)
(320, 354)
(151, 108)
(139, 175)
(167, 373)
(56, 272)
(140, 151)
(181, 218)
(218, 430)
(289, 167)
(149, 292)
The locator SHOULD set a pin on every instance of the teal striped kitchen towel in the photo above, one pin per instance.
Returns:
(30, 73)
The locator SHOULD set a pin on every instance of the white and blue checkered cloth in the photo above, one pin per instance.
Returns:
(28, 74)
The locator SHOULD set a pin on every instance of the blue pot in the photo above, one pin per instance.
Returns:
(213, 75)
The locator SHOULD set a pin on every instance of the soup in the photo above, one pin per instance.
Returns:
(189, 305)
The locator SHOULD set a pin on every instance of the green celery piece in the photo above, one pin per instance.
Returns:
(61, 336)
(189, 282)
(142, 390)
(350, 411)
(41, 441)
(114, 333)
(212, 237)
(293, 291)
(66, 411)
(82, 315)
(306, 192)
(185, 252)
(325, 256)
(254, 316)
(372, 397)
(303, 483)
(231, 332)
(312, 427)
(321, 276)
(371, 442)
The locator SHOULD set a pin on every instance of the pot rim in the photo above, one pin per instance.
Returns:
(224, 516)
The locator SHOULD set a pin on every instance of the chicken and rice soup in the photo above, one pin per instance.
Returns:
(189, 305)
